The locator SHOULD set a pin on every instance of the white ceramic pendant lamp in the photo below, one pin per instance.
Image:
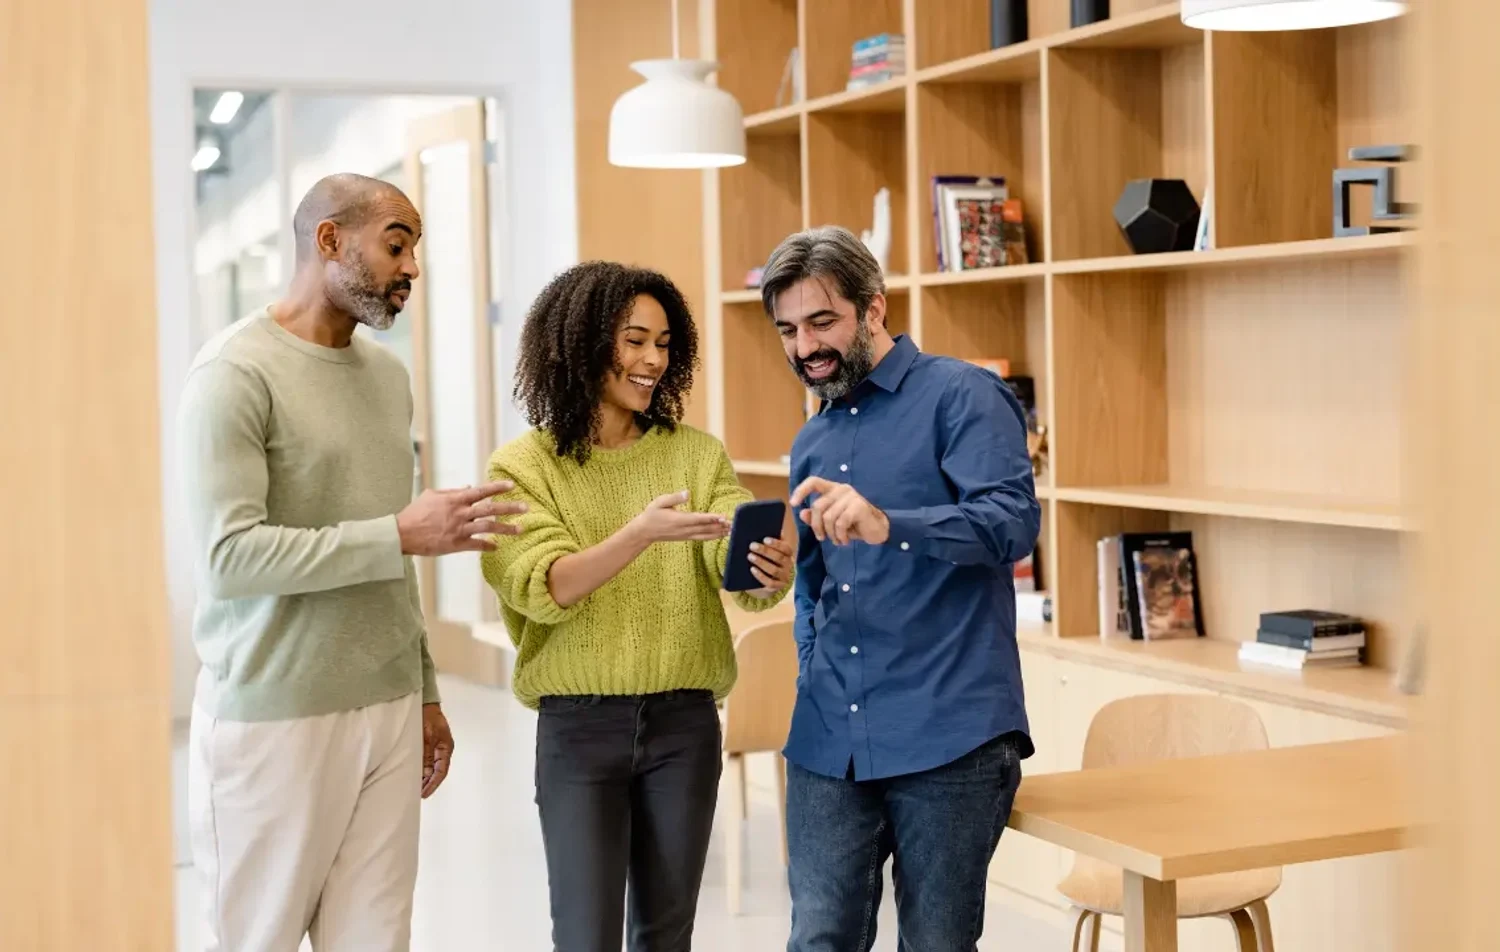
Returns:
(1253, 15)
(675, 119)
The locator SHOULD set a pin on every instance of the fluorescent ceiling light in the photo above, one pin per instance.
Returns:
(205, 157)
(224, 110)
(1257, 15)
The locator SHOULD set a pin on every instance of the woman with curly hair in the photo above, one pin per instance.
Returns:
(611, 596)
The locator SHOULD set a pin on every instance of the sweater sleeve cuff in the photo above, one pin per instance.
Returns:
(380, 541)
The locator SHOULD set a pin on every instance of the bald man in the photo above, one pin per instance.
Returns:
(316, 726)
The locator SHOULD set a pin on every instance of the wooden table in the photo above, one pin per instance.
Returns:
(1168, 820)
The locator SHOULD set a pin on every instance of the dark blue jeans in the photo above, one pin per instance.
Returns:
(941, 826)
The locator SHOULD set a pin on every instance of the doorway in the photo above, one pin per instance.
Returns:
(258, 152)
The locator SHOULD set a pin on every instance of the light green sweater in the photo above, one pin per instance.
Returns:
(295, 460)
(657, 626)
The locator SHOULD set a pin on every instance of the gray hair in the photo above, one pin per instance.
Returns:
(826, 252)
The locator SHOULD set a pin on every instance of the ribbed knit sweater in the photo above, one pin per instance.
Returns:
(659, 625)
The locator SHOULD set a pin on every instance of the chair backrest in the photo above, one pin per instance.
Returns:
(1151, 727)
(758, 711)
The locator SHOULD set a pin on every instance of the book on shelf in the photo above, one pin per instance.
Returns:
(1114, 611)
(1307, 638)
(976, 224)
(877, 59)
(1158, 580)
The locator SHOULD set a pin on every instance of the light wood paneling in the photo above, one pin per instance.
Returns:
(84, 694)
(1453, 391)
(1275, 118)
(1279, 379)
(1109, 342)
(761, 429)
(761, 202)
(757, 38)
(616, 206)
(851, 156)
(833, 26)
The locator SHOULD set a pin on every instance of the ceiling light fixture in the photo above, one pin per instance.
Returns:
(206, 156)
(675, 119)
(225, 109)
(1256, 15)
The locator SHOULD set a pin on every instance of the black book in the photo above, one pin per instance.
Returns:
(1308, 643)
(1311, 623)
(1164, 566)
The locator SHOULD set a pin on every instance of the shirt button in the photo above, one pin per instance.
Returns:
(844, 468)
(854, 707)
(854, 649)
(854, 411)
(905, 546)
(846, 586)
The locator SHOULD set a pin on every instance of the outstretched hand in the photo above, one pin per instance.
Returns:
(663, 521)
(840, 513)
(444, 521)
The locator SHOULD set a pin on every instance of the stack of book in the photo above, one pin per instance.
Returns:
(1306, 639)
(877, 59)
(976, 224)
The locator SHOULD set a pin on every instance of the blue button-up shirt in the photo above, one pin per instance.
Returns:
(907, 650)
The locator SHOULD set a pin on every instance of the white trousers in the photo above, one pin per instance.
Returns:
(308, 827)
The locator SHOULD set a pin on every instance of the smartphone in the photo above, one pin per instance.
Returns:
(753, 522)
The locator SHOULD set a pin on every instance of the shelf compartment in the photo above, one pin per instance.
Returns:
(982, 128)
(761, 203)
(1268, 506)
(1244, 567)
(1135, 113)
(763, 428)
(989, 321)
(1134, 25)
(851, 156)
(1259, 381)
(755, 38)
(833, 26)
(1286, 109)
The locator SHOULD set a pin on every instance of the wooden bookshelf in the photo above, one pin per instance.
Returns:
(1249, 393)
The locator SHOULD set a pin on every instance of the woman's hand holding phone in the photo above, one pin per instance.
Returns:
(771, 563)
(662, 521)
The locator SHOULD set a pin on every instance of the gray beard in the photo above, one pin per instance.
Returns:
(354, 292)
(853, 368)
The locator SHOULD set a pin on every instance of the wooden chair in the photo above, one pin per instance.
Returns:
(1160, 727)
(757, 716)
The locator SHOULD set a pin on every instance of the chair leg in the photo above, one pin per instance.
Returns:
(1244, 930)
(744, 786)
(1087, 925)
(734, 838)
(1260, 914)
(781, 806)
(1079, 917)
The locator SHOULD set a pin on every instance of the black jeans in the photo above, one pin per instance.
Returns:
(626, 789)
(941, 825)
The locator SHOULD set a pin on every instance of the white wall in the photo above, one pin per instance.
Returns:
(519, 50)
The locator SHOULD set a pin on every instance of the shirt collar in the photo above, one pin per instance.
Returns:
(889, 373)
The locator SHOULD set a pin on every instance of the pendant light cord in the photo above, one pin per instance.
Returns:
(675, 54)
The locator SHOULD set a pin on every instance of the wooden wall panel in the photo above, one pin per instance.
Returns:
(648, 217)
(85, 826)
(1453, 391)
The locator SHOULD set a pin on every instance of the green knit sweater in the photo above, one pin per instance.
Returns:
(657, 626)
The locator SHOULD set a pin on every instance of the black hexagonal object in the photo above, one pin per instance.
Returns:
(1157, 215)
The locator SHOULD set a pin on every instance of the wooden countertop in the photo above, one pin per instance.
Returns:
(1195, 816)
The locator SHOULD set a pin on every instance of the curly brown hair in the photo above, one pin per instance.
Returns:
(568, 344)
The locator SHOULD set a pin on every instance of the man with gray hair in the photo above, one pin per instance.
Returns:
(316, 725)
(913, 489)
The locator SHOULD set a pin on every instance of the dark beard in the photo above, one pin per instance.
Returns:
(355, 293)
(850, 368)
